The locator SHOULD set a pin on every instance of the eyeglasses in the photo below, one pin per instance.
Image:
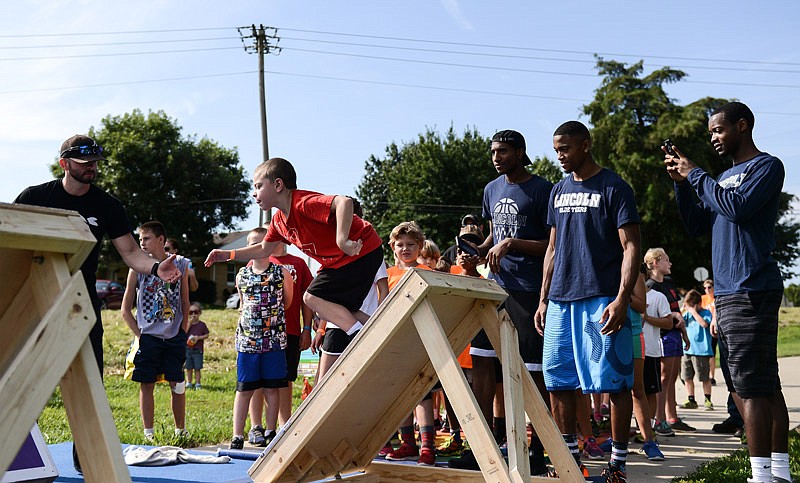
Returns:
(194, 312)
(90, 149)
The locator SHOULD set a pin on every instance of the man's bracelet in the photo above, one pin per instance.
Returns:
(154, 270)
(307, 327)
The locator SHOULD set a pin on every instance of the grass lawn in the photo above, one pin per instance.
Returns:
(209, 410)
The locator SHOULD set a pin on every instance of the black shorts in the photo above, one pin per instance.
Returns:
(520, 307)
(292, 357)
(335, 341)
(748, 331)
(160, 356)
(348, 285)
(652, 375)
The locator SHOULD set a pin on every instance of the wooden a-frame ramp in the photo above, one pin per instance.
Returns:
(394, 361)
(45, 319)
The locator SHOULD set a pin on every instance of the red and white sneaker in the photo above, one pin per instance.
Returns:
(385, 451)
(427, 457)
(405, 452)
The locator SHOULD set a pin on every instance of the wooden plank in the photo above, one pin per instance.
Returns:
(537, 412)
(482, 443)
(16, 262)
(19, 316)
(516, 430)
(402, 473)
(45, 229)
(46, 352)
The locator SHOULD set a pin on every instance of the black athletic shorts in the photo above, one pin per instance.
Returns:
(335, 341)
(348, 285)
(748, 331)
(292, 358)
(160, 356)
(652, 375)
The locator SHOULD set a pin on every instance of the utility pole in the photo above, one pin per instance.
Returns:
(265, 41)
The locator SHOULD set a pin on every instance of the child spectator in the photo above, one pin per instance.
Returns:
(406, 241)
(697, 358)
(160, 324)
(297, 340)
(265, 289)
(325, 228)
(171, 247)
(429, 254)
(197, 333)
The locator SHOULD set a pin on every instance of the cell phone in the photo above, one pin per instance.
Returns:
(669, 147)
(466, 247)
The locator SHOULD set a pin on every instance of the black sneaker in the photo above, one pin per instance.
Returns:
(467, 461)
(725, 427)
(679, 425)
(75, 462)
(256, 436)
(269, 437)
(237, 443)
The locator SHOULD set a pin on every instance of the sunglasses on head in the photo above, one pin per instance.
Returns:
(90, 149)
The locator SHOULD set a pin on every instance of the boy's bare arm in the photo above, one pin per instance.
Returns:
(261, 250)
(128, 300)
(185, 301)
(342, 210)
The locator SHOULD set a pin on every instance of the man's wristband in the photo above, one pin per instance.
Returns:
(307, 327)
(232, 255)
(154, 270)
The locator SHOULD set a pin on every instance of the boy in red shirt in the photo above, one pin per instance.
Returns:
(323, 227)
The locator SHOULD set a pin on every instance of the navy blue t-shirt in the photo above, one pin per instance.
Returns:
(518, 211)
(741, 210)
(588, 254)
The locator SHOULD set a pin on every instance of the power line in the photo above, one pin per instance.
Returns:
(116, 32)
(106, 44)
(117, 54)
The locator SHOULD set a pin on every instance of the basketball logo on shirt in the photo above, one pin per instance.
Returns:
(506, 219)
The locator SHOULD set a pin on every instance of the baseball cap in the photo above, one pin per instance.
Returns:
(470, 219)
(514, 139)
(81, 149)
(471, 233)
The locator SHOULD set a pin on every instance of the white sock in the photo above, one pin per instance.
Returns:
(149, 432)
(761, 467)
(780, 466)
(355, 328)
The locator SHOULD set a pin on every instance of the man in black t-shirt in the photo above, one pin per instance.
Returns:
(103, 213)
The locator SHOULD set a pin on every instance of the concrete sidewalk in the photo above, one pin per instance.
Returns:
(686, 451)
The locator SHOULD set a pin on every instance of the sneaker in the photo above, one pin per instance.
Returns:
(611, 474)
(256, 436)
(591, 450)
(778, 479)
(679, 425)
(713, 382)
(652, 451)
(237, 443)
(405, 452)
(738, 433)
(690, 404)
(197, 387)
(708, 405)
(639, 438)
(605, 446)
(605, 410)
(467, 461)
(451, 447)
(181, 433)
(725, 427)
(385, 451)
(663, 429)
(149, 437)
(268, 437)
(427, 457)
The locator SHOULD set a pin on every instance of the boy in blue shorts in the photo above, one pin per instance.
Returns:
(160, 324)
(590, 268)
(265, 289)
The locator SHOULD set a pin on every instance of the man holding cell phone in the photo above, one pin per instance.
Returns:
(740, 210)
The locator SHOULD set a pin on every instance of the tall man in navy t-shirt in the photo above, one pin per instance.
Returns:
(740, 209)
(590, 269)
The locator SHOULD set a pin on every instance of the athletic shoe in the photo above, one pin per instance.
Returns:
(679, 425)
(591, 450)
(725, 427)
(708, 405)
(605, 410)
(611, 474)
(451, 447)
(385, 451)
(256, 436)
(652, 451)
(467, 461)
(778, 479)
(639, 438)
(427, 457)
(605, 446)
(197, 387)
(690, 404)
(713, 382)
(237, 443)
(738, 433)
(663, 429)
(181, 433)
(405, 452)
(268, 437)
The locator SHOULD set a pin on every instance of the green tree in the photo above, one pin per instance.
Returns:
(545, 168)
(631, 115)
(793, 294)
(194, 186)
(434, 180)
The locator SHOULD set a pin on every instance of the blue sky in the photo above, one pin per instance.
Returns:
(339, 91)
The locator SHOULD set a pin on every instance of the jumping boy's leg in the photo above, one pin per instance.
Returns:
(147, 403)
(338, 314)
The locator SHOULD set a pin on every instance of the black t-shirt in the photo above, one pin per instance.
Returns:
(103, 213)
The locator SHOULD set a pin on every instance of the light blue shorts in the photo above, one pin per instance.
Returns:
(577, 355)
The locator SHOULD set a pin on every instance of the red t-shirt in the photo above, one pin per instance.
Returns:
(302, 279)
(312, 228)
